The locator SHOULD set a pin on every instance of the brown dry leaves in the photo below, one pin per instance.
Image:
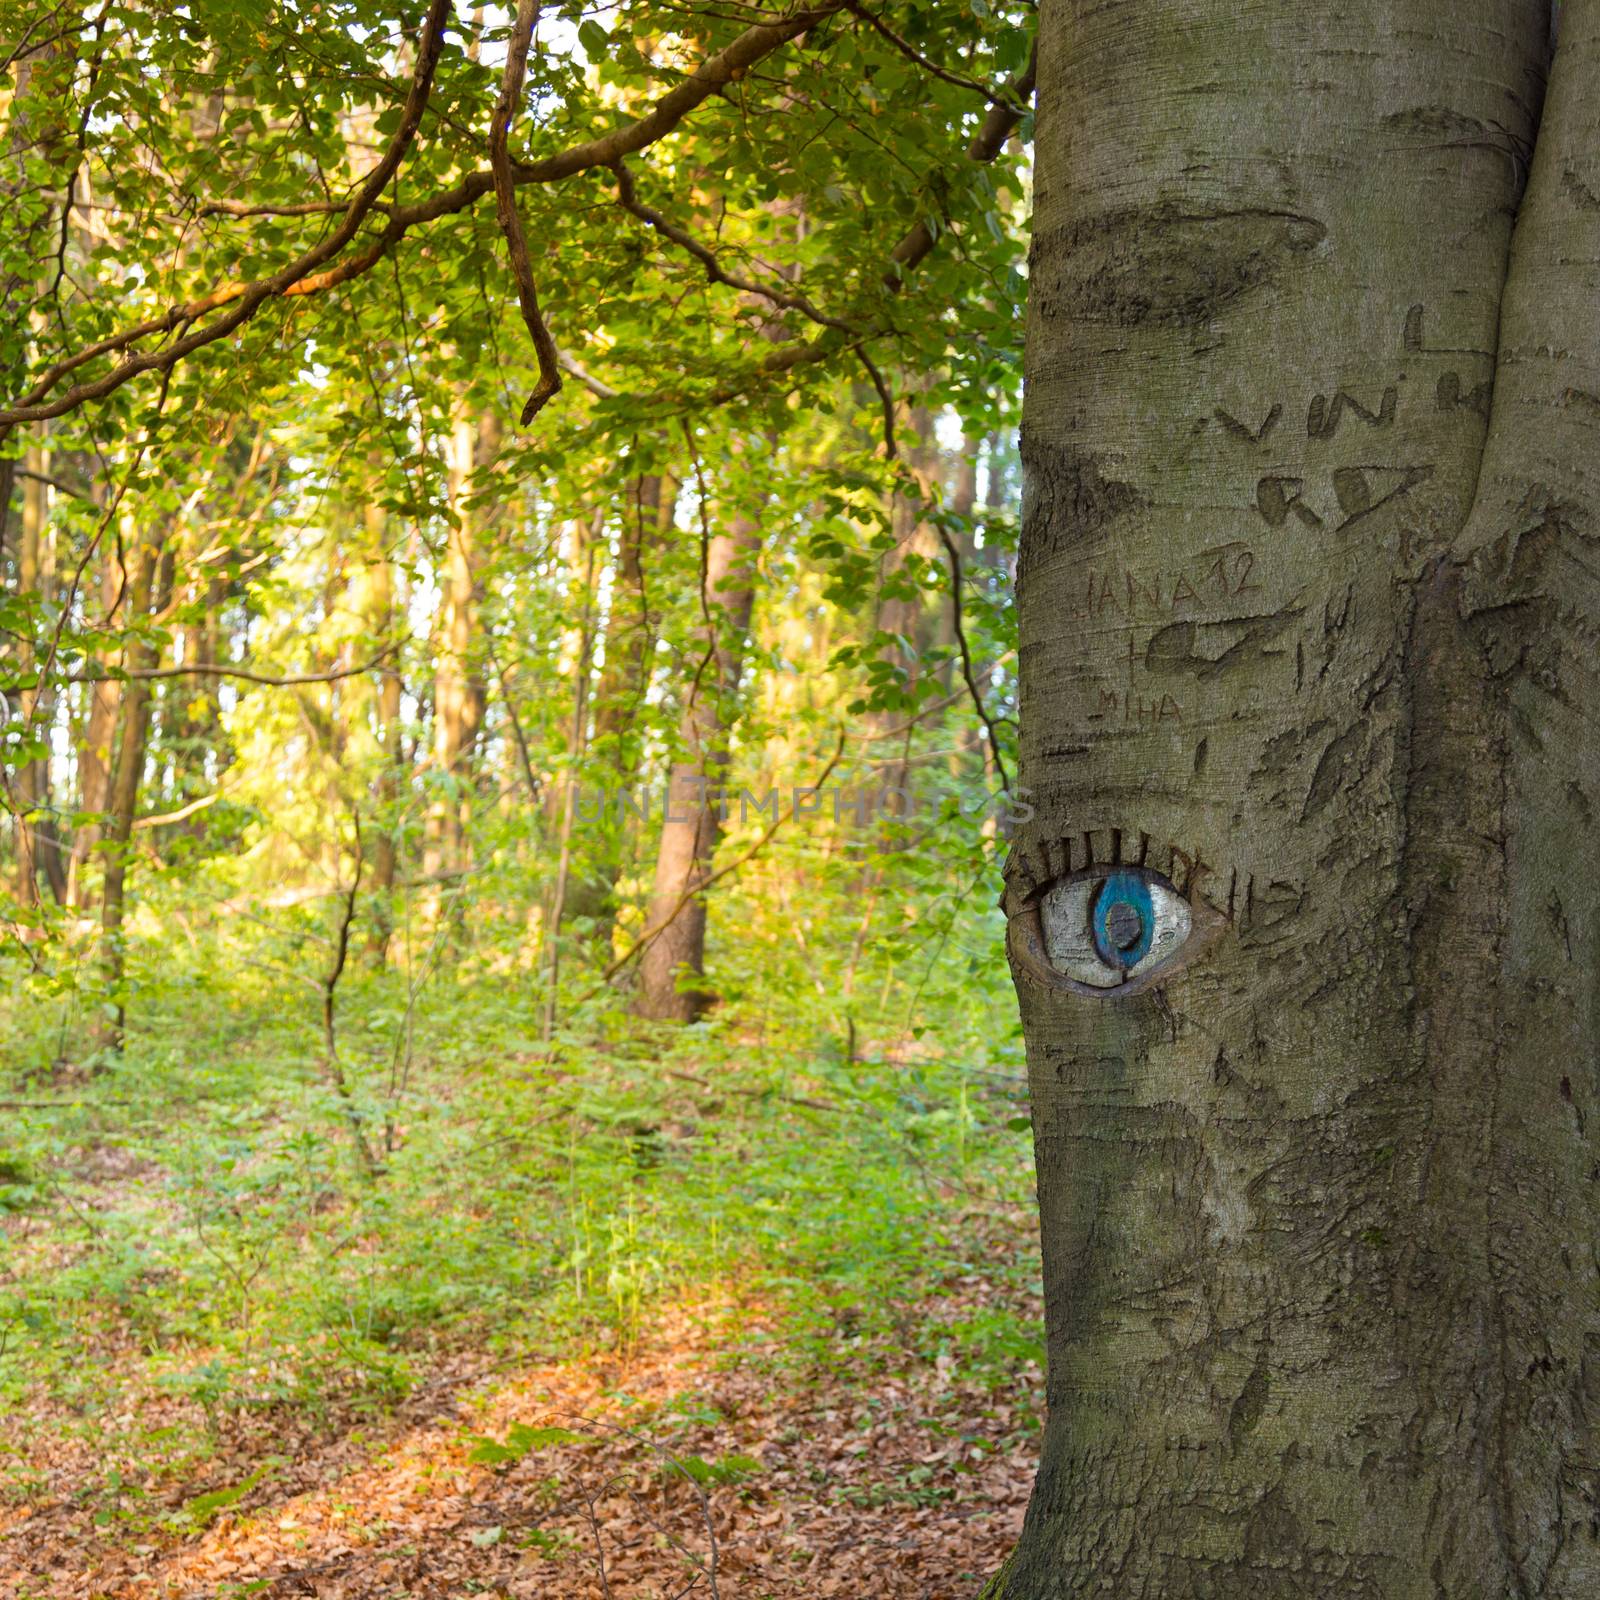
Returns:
(908, 1488)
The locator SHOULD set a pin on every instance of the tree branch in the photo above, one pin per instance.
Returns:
(208, 669)
(628, 199)
(910, 51)
(244, 299)
(987, 143)
(301, 277)
(966, 657)
(182, 814)
(510, 219)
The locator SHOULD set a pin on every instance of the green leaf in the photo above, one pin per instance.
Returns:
(204, 1508)
(520, 1439)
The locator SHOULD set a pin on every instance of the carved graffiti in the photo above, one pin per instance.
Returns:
(1242, 430)
(1324, 415)
(1277, 496)
(1134, 709)
(1413, 344)
(1357, 491)
(1171, 591)
(1448, 395)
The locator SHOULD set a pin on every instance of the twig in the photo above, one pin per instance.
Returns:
(244, 299)
(510, 219)
(910, 51)
(182, 814)
(599, 1542)
(69, 489)
(707, 1569)
(528, 773)
(966, 655)
(752, 1094)
(628, 199)
(891, 450)
(60, 1105)
(600, 390)
(209, 669)
(329, 986)
(712, 74)
(987, 143)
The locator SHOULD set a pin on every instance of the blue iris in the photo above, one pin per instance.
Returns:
(1123, 920)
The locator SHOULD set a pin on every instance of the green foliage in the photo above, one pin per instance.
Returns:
(708, 1474)
(518, 1442)
(259, 1188)
(206, 1508)
(223, 1242)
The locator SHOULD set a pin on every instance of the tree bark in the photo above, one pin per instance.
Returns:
(38, 844)
(692, 817)
(141, 561)
(613, 752)
(381, 613)
(1307, 610)
(459, 691)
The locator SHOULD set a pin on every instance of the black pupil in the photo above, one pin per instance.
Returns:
(1123, 926)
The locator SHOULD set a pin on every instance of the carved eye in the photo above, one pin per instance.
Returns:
(1108, 931)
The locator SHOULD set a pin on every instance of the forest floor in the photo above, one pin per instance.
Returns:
(683, 1467)
(641, 1319)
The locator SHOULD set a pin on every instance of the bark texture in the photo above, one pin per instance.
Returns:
(1309, 605)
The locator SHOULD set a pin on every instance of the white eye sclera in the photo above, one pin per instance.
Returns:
(1107, 929)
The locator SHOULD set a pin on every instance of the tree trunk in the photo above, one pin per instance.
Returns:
(38, 846)
(584, 543)
(1308, 608)
(692, 819)
(625, 678)
(458, 698)
(197, 721)
(141, 561)
(906, 615)
(94, 746)
(381, 613)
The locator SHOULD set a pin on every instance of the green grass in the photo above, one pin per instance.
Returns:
(189, 1219)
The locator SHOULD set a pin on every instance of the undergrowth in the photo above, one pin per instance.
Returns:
(187, 1216)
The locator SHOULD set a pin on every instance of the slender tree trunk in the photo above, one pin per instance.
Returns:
(584, 552)
(94, 751)
(142, 559)
(35, 834)
(196, 722)
(614, 749)
(162, 706)
(905, 615)
(381, 615)
(1308, 609)
(692, 822)
(459, 692)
